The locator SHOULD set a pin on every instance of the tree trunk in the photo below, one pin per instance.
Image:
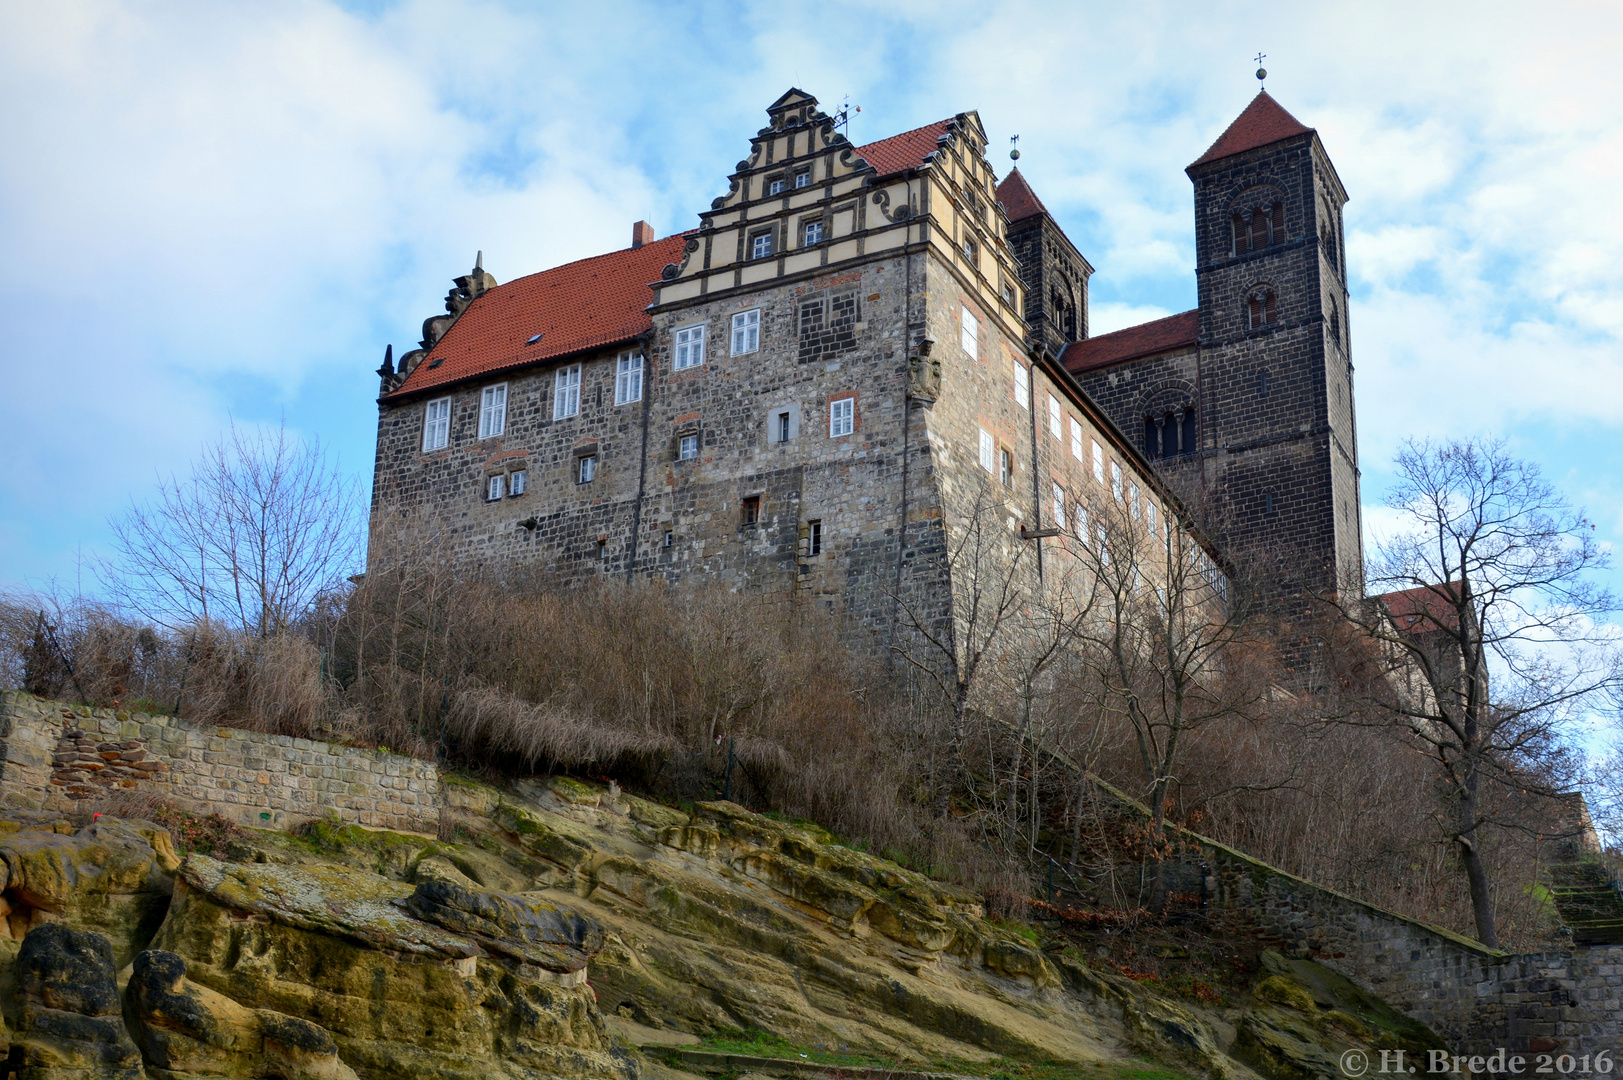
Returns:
(1471, 858)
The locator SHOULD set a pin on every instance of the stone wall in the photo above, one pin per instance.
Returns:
(54, 755)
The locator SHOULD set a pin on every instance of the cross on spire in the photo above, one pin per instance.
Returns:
(1262, 72)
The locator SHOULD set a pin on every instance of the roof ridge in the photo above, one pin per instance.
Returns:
(909, 131)
(1262, 122)
(599, 255)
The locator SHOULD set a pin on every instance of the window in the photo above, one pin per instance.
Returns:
(586, 471)
(1008, 294)
(814, 538)
(1054, 426)
(1133, 500)
(1022, 384)
(493, 411)
(1149, 513)
(493, 489)
(1260, 309)
(1082, 523)
(760, 245)
(969, 332)
(437, 424)
(774, 186)
(1259, 227)
(1076, 439)
(1098, 463)
(813, 232)
(969, 250)
(1115, 480)
(687, 448)
(782, 426)
(628, 378)
(566, 392)
(750, 512)
(516, 482)
(746, 331)
(987, 451)
(1059, 507)
(803, 178)
(1262, 378)
(842, 417)
(1005, 467)
(1104, 544)
(689, 348)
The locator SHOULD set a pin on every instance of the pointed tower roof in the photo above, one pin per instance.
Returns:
(1264, 121)
(1018, 200)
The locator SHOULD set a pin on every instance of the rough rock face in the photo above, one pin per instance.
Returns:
(70, 1025)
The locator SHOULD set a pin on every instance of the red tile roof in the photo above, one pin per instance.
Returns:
(1146, 339)
(580, 305)
(1264, 121)
(1018, 200)
(1423, 609)
(904, 151)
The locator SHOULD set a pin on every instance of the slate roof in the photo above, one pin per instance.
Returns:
(1264, 121)
(1019, 201)
(1146, 339)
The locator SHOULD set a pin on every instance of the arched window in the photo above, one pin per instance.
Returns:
(1257, 227)
(1260, 309)
(1170, 434)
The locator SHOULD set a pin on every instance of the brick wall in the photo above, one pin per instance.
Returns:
(55, 755)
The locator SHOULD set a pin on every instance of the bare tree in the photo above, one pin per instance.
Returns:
(262, 525)
(1488, 627)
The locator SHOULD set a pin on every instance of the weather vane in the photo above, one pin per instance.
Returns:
(1262, 72)
(1014, 148)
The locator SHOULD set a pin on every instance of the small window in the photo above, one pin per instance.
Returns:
(1133, 500)
(516, 482)
(814, 538)
(813, 232)
(1059, 507)
(803, 178)
(1082, 523)
(1268, 504)
(628, 378)
(1022, 384)
(1008, 294)
(969, 332)
(760, 245)
(1055, 427)
(1149, 514)
(437, 424)
(689, 348)
(493, 489)
(1115, 480)
(687, 448)
(842, 417)
(782, 426)
(1262, 383)
(988, 451)
(670, 538)
(1260, 309)
(492, 411)
(1098, 463)
(586, 471)
(566, 392)
(1103, 538)
(1076, 439)
(747, 331)
(1005, 466)
(751, 512)
(969, 250)
(774, 186)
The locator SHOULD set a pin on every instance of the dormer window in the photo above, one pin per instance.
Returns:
(803, 178)
(761, 245)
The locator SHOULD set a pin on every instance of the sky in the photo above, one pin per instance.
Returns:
(215, 213)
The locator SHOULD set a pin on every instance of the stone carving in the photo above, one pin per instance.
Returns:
(923, 373)
(464, 291)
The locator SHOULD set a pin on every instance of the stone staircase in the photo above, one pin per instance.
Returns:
(1590, 901)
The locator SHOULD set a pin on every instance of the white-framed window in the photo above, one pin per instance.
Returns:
(988, 451)
(1115, 480)
(437, 424)
(1076, 438)
(813, 232)
(586, 471)
(1104, 544)
(747, 331)
(1059, 506)
(1098, 463)
(1005, 466)
(1054, 424)
(842, 417)
(1022, 384)
(760, 245)
(566, 392)
(494, 488)
(1082, 523)
(687, 448)
(492, 411)
(1133, 499)
(628, 378)
(814, 537)
(781, 425)
(1149, 515)
(969, 332)
(774, 186)
(516, 482)
(689, 351)
(969, 250)
(803, 178)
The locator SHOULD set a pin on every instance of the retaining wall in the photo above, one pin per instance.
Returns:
(55, 755)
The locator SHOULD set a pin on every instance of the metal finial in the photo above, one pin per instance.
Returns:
(1262, 72)
(1014, 148)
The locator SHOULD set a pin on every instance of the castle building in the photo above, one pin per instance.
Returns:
(857, 347)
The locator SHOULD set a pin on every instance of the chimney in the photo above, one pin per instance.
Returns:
(641, 233)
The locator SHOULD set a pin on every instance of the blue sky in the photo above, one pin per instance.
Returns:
(211, 211)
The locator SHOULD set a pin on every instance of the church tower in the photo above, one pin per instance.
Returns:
(1279, 435)
(1054, 273)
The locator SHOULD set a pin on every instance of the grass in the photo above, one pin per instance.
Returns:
(765, 1044)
